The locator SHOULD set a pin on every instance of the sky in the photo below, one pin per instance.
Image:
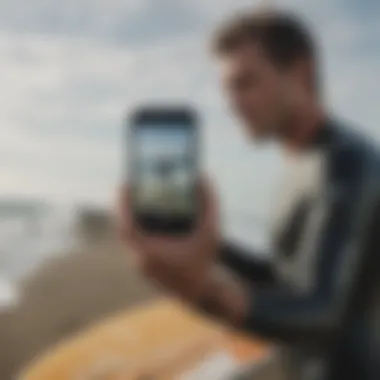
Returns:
(70, 70)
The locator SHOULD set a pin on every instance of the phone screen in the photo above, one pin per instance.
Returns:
(164, 175)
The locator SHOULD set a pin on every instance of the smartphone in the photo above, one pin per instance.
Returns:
(164, 169)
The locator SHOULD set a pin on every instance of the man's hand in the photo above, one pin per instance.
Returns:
(181, 265)
(186, 266)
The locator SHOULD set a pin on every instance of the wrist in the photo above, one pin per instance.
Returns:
(224, 296)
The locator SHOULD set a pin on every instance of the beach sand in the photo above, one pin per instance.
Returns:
(65, 295)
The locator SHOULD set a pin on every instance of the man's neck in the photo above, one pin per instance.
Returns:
(302, 129)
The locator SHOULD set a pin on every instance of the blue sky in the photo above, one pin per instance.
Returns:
(69, 70)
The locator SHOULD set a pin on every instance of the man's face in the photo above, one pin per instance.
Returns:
(259, 93)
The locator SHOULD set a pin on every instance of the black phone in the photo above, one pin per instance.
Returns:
(164, 169)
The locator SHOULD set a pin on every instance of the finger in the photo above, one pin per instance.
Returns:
(209, 206)
(142, 264)
(135, 260)
(123, 210)
(127, 224)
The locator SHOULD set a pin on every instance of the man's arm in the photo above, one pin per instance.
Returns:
(246, 264)
(282, 315)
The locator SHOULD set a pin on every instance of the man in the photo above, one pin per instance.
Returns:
(318, 299)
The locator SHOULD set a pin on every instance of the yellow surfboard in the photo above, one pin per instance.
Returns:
(161, 341)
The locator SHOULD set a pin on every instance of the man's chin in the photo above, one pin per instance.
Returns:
(258, 136)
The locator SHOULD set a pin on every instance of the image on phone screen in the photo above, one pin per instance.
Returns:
(165, 171)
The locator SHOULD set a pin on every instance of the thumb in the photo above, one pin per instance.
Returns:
(123, 212)
(209, 209)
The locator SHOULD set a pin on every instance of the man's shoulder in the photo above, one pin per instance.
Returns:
(353, 146)
(353, 157)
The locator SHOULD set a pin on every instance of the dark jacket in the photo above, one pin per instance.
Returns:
(319, 297)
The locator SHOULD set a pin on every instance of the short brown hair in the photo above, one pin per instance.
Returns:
(283, 36)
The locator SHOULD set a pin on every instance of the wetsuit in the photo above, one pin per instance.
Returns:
(319, 298)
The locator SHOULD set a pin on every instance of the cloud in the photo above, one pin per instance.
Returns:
(132, 22)
(66, 99)
(71, 70)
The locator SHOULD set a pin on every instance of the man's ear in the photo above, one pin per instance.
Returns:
(305, 71)
(299, 82)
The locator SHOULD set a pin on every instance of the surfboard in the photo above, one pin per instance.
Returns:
(162, 340)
